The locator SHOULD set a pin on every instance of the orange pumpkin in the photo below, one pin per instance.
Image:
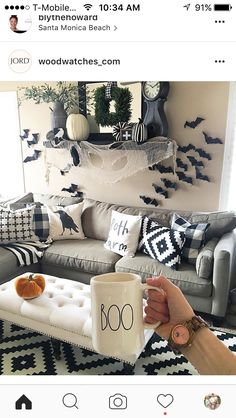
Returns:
(30, 286)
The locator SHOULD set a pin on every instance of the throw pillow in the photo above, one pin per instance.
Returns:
(205, 258)
(65, 222)
(41, 222)
(195, 236)
(16, 226)
(161, 243)
(124, 234)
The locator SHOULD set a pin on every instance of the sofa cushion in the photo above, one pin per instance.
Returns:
(9, 266)
(97, 216)
(185, 278)
(87, 255)
(161, 243)
(54, 200)
(205, 258)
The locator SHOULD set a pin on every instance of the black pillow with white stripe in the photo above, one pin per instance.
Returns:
(161, 243)
(195, 236)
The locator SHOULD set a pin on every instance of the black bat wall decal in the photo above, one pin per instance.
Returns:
(149, 200)
(25, 134)
(194, 123)
(160, 190)
(210, 140)
(201, 176)
(75, 156)
(180, 164)
(33, 157)
(203, 153)
(72, 189)
(78, 194)
(186, 148)
(34, 141)
(195, 162)
(181, 175)
(161, 168)
(169, 184)
(66, 169)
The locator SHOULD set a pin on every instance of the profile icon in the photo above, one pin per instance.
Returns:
(212, 401)
(19, 24)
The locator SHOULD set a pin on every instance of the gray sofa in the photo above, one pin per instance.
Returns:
(82, 259)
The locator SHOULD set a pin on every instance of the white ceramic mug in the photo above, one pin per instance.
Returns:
(117, 313)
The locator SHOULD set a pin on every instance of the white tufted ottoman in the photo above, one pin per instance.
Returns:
(62, 312)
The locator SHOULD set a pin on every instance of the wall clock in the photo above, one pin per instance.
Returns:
(154, 97)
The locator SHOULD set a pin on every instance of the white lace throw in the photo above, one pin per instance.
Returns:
(117, 161)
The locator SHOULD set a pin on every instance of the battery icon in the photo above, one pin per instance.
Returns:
(222, 7)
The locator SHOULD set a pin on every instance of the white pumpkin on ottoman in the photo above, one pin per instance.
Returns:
(77, 127)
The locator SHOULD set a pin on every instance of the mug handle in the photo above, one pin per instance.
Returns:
(158, 289)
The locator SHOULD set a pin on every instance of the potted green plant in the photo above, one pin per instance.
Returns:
(63, 96)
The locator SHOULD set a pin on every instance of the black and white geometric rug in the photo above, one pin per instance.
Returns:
(24, 352)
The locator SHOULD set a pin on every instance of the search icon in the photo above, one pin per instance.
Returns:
(69, 400)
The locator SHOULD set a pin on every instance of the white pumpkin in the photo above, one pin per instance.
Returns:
(77, 127)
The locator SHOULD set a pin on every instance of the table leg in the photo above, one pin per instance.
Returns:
(56, 348)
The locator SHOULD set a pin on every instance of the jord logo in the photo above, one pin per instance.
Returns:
(20, 61)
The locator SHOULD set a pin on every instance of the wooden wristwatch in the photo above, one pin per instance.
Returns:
(182, 334)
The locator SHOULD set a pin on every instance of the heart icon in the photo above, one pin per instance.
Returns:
(165, 400)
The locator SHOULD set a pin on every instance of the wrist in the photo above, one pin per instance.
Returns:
(183, 334)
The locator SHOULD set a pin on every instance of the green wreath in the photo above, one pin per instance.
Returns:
(122, 98)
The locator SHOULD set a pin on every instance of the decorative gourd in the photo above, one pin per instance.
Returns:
(30, 286)
(139, 132)
(77, 127)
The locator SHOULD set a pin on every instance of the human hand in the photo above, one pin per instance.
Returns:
(169, 307)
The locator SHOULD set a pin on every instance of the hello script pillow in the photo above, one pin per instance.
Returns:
(124, 234)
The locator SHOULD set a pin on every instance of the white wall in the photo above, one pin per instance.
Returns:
(11, 167)
(186, 101)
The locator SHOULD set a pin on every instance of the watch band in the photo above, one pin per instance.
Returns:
(193, 325)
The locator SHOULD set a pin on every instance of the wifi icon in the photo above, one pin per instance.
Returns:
(88, 6)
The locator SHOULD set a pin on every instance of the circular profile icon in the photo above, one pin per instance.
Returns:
(212, 401)
(20, 61)
(19, 23)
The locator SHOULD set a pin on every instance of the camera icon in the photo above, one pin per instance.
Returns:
(118, 401)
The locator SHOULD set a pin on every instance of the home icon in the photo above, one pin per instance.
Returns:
(23, 403)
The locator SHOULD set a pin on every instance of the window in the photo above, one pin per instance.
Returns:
(11, 166)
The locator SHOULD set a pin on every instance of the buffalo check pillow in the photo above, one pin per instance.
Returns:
(41, 222)
(195, 237)
(161, 243)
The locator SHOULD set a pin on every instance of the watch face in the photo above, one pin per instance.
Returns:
(151, 89)
(180, 334)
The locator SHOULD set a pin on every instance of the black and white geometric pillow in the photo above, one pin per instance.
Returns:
(195, 237)
(16, 226)
(161, 243)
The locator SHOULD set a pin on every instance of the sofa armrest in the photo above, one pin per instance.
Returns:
(224, 270)
(24, 198)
